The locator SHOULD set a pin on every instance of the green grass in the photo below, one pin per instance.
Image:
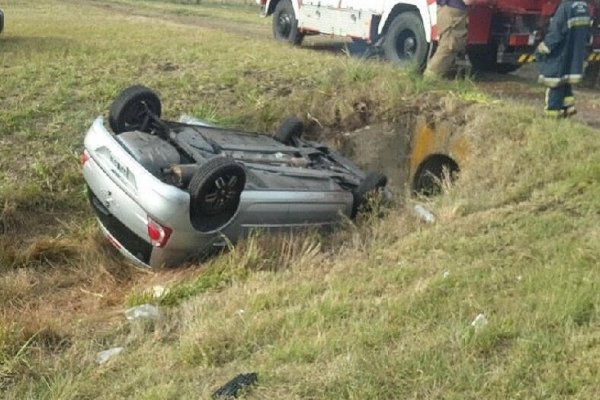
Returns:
(381, 309)
(239, 11)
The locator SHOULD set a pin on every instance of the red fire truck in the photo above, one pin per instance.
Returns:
(502, 36)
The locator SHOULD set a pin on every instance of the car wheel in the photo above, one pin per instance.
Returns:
(133, 110)
(290, 130)
(285, 24)
(373, 183)
(405, 40)
(215, 191)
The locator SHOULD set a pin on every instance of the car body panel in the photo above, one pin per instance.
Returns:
(124, 195)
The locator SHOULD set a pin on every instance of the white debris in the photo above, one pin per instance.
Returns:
(188, 119)
(159, 291)
(446, 274)
(106, 355)
(424, 214)
(145, 311)
(479, 322)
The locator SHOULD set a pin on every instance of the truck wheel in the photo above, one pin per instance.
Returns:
(405, 41)
(591, 76)
(285, 23)
(215, 191)
(373, 182)
(290, 130)
(484, 60)
(131, 110)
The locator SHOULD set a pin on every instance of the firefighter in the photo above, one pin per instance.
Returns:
(561, 56)
(452, 26)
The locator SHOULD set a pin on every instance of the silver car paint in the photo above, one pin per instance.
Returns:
(131, 194)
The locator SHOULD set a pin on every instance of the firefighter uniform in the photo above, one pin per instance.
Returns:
(561, 56)
(452, 25)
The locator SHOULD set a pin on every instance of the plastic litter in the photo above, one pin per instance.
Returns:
(479, 322)
(106, 355)
(235, 386)
(424, 214)
(144, 311)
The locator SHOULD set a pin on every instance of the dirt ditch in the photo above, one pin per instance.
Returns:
(416, 149)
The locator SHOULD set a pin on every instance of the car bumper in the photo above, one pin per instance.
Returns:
(124, 223)
(123, 208)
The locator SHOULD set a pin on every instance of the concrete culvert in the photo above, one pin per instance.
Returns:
(432, 173)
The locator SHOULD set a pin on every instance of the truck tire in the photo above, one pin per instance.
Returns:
(405, 41)
(129, 111)
(285, 24)
(215, 192)
(591, 76)
(483, 59)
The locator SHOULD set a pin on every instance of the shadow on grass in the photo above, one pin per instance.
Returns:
(46, 44)
(357, 49)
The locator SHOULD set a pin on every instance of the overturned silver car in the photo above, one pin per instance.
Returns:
(166, 191)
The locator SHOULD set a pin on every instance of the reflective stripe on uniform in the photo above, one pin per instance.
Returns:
(568, 101)
(572, 78)
(579, 21)
(554, 113)
(552, 82)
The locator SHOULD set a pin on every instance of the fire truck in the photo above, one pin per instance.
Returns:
(502, 35)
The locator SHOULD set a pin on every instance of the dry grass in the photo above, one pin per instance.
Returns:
(377, 310)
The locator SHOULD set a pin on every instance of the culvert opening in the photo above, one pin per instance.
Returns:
(434, 172)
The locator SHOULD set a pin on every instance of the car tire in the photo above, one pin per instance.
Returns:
(285, 24)
(130, 110)
(373, 182)
(215, 192)
(405, 40)
(290, 130)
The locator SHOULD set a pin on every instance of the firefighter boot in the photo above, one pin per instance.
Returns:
(569, 102)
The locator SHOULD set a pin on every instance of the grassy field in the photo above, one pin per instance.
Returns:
(382, 309)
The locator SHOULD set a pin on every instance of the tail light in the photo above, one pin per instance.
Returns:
(84, 157)
(158, 234)
(521, 40)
